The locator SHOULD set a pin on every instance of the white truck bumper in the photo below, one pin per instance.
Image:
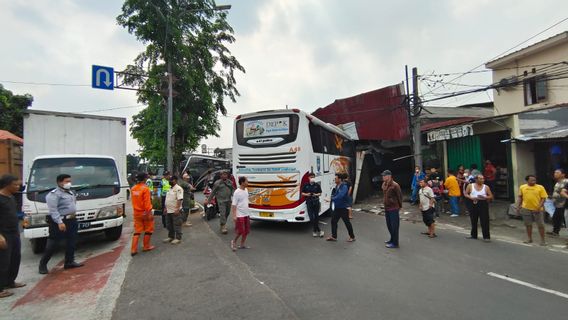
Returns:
(84, 226)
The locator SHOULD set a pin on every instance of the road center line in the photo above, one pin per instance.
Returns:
(526, 284)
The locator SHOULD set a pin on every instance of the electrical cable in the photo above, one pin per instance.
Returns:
(506, 51)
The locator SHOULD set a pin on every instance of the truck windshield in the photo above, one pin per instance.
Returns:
(92, 177)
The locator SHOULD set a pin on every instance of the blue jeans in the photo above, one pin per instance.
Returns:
(393, 224)
(455, 205)
(414, 195)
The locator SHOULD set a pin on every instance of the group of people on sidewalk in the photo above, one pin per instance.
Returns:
(475, 189)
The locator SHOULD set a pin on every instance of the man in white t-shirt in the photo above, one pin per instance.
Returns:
(240, 214)
(174, 219)
(427, 205)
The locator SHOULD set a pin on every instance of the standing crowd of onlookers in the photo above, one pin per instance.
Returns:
(471, 190)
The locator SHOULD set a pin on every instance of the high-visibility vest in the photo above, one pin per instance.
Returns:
(165, 186)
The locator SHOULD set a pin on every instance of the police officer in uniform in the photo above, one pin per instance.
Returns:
(62, 223)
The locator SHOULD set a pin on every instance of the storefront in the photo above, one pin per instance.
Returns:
(473, 143)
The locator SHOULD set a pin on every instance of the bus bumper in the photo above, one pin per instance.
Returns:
(295, 215)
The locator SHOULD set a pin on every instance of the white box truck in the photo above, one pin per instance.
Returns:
(92, 149)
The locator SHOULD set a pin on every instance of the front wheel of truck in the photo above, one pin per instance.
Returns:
(113, 234)
(38, 245)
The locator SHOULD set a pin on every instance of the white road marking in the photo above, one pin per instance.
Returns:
(526, 284)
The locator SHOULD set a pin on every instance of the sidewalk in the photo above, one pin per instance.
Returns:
(501, 224)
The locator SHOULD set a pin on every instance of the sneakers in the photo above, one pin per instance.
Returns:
(167, 240)
(314, 234)
(176, 241)
(454, 216)
(321, 234)
(391, 246)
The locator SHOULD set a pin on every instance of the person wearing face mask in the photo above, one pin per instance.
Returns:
(62, 223)
(312, 192)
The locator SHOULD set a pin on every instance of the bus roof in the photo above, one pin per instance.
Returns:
(311, 118)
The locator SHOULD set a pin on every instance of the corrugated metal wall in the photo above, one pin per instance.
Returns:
(464, 151)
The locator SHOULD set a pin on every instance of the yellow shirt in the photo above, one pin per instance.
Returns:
(452, 186)
(532, 195)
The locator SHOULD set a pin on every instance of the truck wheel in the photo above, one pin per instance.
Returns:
(113, 234)
(38, 245)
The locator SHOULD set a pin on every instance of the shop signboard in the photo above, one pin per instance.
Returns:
(450, 133)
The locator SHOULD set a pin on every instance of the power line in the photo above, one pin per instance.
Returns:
(504, 52)
(47, 83)
(114, 108)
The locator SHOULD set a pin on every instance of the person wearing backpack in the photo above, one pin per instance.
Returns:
(438, 188)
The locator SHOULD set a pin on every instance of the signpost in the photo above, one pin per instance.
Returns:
(450, 133)
(102, 78)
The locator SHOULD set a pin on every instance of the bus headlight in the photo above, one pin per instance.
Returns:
(108, 212)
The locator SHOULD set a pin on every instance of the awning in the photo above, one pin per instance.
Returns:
(548, 134)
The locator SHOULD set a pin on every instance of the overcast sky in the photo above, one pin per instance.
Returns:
(301, 53)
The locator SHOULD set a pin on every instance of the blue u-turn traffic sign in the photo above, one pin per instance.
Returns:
(103, 78)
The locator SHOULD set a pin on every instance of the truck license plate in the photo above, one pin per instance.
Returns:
(84, 225)
(267, 214)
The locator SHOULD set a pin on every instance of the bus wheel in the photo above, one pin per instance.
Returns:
(38, 245)
(113, 234)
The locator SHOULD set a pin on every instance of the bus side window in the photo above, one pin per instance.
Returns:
(326, 163)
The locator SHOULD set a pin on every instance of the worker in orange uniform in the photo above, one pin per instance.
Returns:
(143, 217)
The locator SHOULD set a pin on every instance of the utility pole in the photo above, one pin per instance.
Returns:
(415, 113)
(170, 156)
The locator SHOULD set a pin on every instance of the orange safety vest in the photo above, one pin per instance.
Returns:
(141, 198)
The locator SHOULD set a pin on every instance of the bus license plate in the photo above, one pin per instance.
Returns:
(267, 214)
(84, 225)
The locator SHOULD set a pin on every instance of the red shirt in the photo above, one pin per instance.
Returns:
(489, 172)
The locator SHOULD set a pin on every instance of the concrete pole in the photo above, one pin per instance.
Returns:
(170, 120)
(416, 134)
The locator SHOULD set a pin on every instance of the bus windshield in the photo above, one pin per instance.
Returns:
(92, 177)
(267, 131)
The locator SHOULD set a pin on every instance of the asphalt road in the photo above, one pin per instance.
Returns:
(290, 275)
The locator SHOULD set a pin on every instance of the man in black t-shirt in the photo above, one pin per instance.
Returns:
(564, 193)
(10, 244)
(312, 192)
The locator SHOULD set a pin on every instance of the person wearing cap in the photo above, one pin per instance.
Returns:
(392, 202)
(187, 204)
(223, 190)
(143, 216)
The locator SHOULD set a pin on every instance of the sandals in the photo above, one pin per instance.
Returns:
(5, 294)
(233, 245)
(243, 247)
(433, 236)
(17, 285)
(351, 240)
(425, 233)
(330, 239)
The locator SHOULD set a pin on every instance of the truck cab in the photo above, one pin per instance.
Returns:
(101, 195)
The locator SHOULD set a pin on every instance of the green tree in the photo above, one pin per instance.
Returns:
(12, 109)
(132, 162)
(193, 38)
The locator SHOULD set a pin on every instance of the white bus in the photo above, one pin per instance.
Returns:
(277, 150)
